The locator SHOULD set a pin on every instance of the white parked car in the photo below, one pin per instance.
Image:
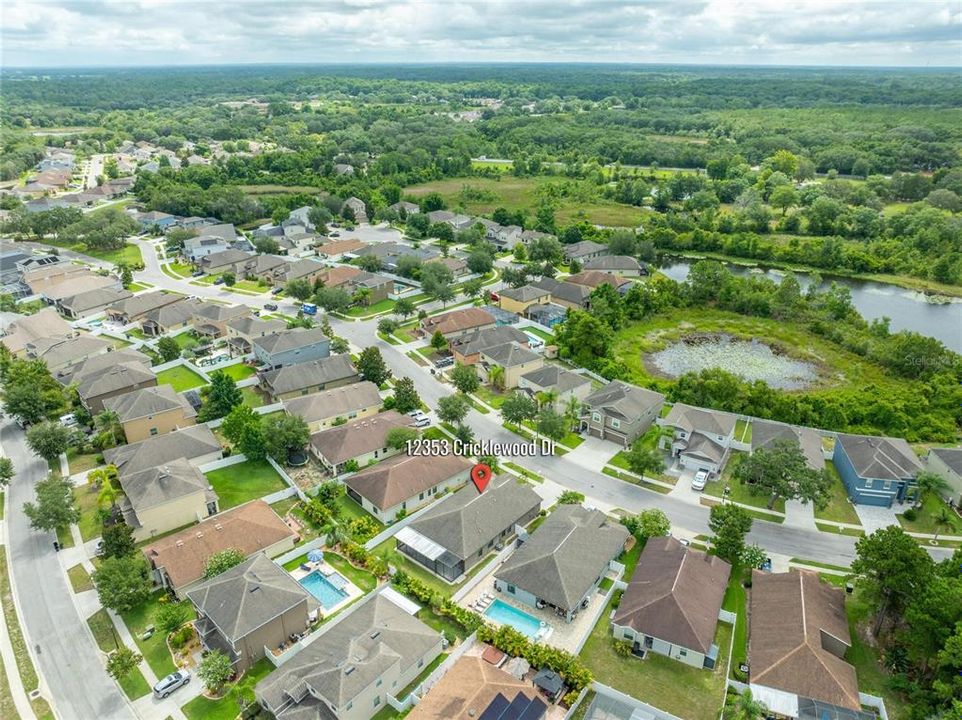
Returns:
(700, 480)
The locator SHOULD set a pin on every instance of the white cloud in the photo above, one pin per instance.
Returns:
(168, 32)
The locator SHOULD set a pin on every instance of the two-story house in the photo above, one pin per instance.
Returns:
(876, 470)
(289, 347)
(242, 331)
(702, 437)
(313, 376)
(513, 359)
(620, 412)
(337, 405)
(151, 411)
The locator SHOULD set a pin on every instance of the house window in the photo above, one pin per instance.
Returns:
(615, 423)
(682, 653)
(596, 417)
(511, 589)
(628, 635)
(869, 483)
(421, 663)
(350, 705)
(887, 485)
(153, 431)
(421, 496)
(378, 683)
(377, 701)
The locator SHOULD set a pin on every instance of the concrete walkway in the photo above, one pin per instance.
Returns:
(875, 518)
(800, 515)
(21, 700)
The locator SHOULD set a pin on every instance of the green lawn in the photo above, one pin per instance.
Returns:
(252, 397)
(925, 518)
(137, 333)
(851, 532)
(180, 378)
(80, 463)
(79, 579)
(872, 677)
(182, 269)
(136, 286)
(154, 649)
(629, 558)
(352, 510)
(839, 507)
(708, 501)
(201, 708)
(634, 480)
(740, 492)
(241, 371)
(186, 340)
(736, 601)
(129, 254)
(90, 524)
(382, 306)
(494, 398)
(657, 679)
(387, 551)
(134, 685)
(543, 334)
(249, 480)
(252, 285)
(743, 431)
(427, 670)
(403, 333)
(442, 624)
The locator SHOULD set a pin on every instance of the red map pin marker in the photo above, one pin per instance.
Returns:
(481, 476)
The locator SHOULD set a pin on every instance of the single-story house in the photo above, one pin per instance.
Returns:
(178, 560)
(151, 411)
(134, 308)
(405, 208)
(799, 635)
(195, 443)
(304, 378)
(338, 249)
(159, 499)
(168, 318)
(595, 278)
(347, 402)
(458, 531)
(91, 302)
(621, 412)
(947, 464)
(41, 279)
(456, 323)
(672, 604)
(349, 671)
(406, 482)
(566, 386)
(457, 266)
(242, 331)
(765, 433)
(24, 329)
(518, 300)
(363, 441)
(513, 358)
(702, 437)
(467, 348)
(61, 286)
(289, 347)
(250, 609)
(390, 253)
(564, 560)
(583, 251)
(155, 218)
(623, 265)
(876, 470)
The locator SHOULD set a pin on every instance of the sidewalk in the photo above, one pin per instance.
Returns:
(21, 700)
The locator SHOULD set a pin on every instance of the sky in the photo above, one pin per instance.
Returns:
(72, 33)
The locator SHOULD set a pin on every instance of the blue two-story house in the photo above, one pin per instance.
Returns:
(876, 470)
(291, 347)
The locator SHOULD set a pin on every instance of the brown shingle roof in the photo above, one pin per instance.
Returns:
(794, 616)
(675, 594)
(357, 437)
(249, 528)
(391, 482)
(457, 321)
(467, 689)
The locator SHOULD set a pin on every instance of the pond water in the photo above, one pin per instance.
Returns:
(907, 309)
(750, 359)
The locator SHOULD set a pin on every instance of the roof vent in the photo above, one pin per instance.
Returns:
(218, 526)
(349, 670)
(200, 534)
(180, 543)
(254, 589)
(375, 634)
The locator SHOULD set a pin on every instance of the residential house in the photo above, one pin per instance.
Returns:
(547, 314)
(562, 563)
(457, 532)
(799, 635)
(455, 220)
(242, 331)
(623, 265)
(178, 561)
(151, 411)
(261, 267)
(375, 287)
(702, 437)
(15, 264)
(306, 269)
(137, 307)
(405, 208)
(195, 443)
(467, 348)
(338, 250)
(512, 358)
(18, 331)
(357, 207)
(672, 604)
(211, 319)
(947, 464)
(343, 169)
(348, 402)
(508, 237)
(289, 347)
(66, 285)
(196, 248)
(94, 387)
(250, 609)
(97, 364)
(159, 499)
(403, 484)
(166, 319)
(455, 323)
(40, 279)
(583, 251)
(566, 294)
(390, 253)
(876, 470)
(567, 388)
(227, 231)
(91, 302)
(304, 378)
(595, 278)
(457, 266)
(766, 433)
(59, 352)
(349, 671)
(155, 219)
(471, 686)
(221, 262)
(620, 412)
(360, 443)
(518, 300)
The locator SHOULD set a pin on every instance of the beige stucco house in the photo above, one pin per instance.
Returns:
(151, 411)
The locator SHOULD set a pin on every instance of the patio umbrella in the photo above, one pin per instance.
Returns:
(315, 556)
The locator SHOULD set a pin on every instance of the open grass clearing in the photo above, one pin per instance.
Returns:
(225, 708)
(739, 492)
(154, 649)
(926, 515)
(79, 579)
(90, 524)
(240, 371)
(249, 480)
(180, 378)
(611, 472)
(756, 514)
(838, 508)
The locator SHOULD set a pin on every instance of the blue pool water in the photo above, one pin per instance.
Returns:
(518, 619)
(325, 589)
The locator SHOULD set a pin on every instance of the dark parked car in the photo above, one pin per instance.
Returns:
(277, 291)
(270, 306)
(197, 273)
(219, 281)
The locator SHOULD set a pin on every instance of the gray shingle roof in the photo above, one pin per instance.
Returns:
(176, 313)
(764, 433)
(148, 401)
(98, 363)
(113, 378)
(218, 312)
(624, 400)
(951, 457)
(304, 375)
(467, 520)
(565, 556)
(164, 483)
(508, 355)
(689, 419)
(556, 378)
(403, 477)
(249, 595)
(525, 293)
(59, 351)
(560, 290)
(191, 442)
(477, 340)
(138, 305)
(675, 594)
(252, 325)
(585, 247)
(94, 298)
(880, 458)
(332, 403)
(290, 339)
(613, 262)
(360, 647)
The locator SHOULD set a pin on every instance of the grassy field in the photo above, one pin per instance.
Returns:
(7, 707)
(79, 579)
(580, 203)
(134, 685)
(154, 649)
(252, 398)
(89, 524)
(658, 679)
(240, 371)
(740, 492)
(925, 518)
(839, 508)
(80, 463)
(180, 378)
(249, 480)
(128, 254)
(736, 601)
(382, 306)
(543, 334)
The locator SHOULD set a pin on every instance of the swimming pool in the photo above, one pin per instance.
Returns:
(521, 621)
(328, 590)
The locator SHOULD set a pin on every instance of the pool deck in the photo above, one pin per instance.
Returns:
(352, 590)
(563, 635)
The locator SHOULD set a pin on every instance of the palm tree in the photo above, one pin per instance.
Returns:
(361, 296)
(547, 398)
(496, 375)
(109, 421)
(941, 519)
(334, 534)
(744, 707)
(928, 482)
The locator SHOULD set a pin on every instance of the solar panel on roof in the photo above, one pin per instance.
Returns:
(497, 706)
(516, 708)
(535, 710)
